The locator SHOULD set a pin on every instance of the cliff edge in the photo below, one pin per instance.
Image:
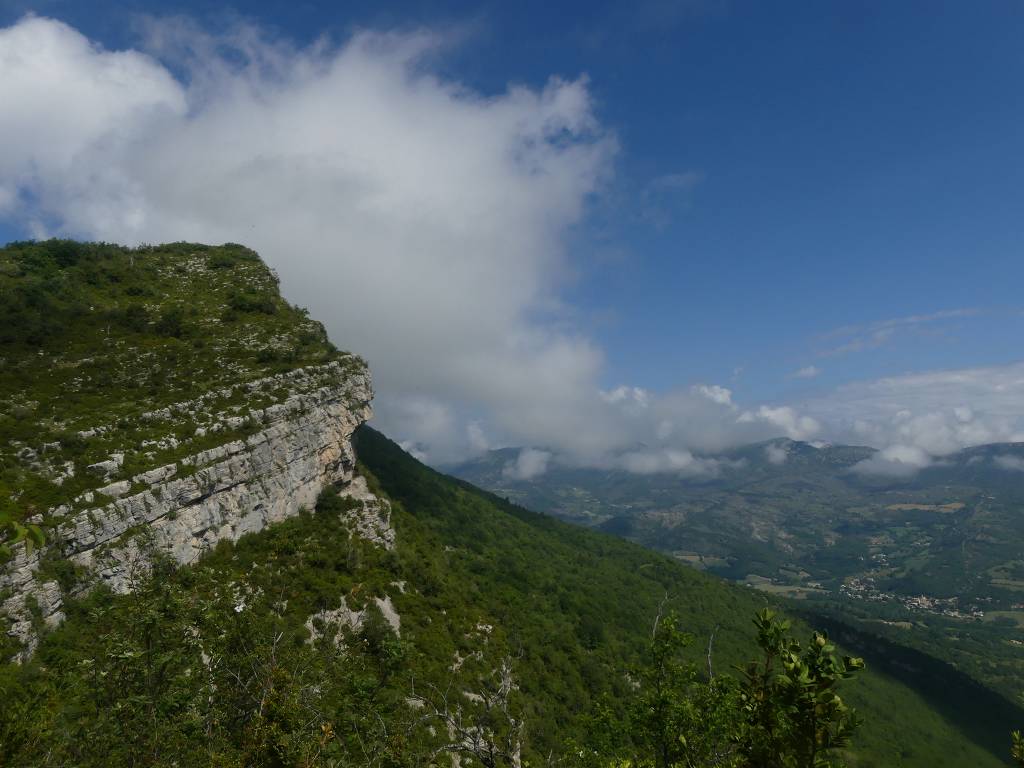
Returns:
(154, 402)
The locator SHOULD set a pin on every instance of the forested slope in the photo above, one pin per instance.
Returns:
(214, 664)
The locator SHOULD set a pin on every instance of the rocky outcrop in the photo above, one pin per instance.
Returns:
(300, 444)
(371, 520)
(331, 623)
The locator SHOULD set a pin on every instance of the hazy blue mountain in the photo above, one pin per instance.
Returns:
(802, 518)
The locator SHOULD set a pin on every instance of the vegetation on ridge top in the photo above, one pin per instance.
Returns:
(92, 335)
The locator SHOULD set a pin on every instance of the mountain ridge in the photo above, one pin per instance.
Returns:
(273, 545)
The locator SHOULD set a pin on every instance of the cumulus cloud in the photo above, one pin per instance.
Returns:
(776, 454)
(422, 221)
(894, 461)
(938, 412)
(66, 102)
(530, 463)
(785, 419)
(675, 462)
(715, 393)
(425, 223)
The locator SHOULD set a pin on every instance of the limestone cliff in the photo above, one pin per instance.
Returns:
(184, 508)
(154, 402)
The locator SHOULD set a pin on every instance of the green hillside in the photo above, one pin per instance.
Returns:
(569, 574)
(799, 520)
(931, 560)
(171, 674)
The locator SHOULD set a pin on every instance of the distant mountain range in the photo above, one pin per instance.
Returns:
(797, 519)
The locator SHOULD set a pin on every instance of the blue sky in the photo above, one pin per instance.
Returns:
(832, 187)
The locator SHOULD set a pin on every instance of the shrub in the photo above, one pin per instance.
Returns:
(171, 322)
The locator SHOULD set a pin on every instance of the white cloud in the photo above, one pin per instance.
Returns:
(938, 412)
(894, 461)
(784, 419)
(1012, 463)
(63, 97)
(807, 372)
(673, 461)
(478, 441)
(530, 463)
(423, 222)
(624, 394)
(714, 393)
(776, 454)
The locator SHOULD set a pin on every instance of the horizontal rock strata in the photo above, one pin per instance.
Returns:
(184, 509)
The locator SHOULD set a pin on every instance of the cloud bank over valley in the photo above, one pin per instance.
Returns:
(427, 225)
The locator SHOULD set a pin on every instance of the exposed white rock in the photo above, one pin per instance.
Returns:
(158, 475)
(233, 489)
(116, 490)
(66, 471)
(332, 623)
(373, 520)
(108, 468)
(387, 610)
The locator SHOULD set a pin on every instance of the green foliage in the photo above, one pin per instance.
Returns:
(794, 716)
(240, 301)
(783, 712)
(93, 335)
(135, 318)
(1017, 748)
(193, 669)
(677, 718)
(171, 322)
(16, 532)
(217, 665)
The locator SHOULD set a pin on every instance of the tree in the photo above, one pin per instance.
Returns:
(677, 718)
(477, 715)
(783, 712)
(794, 718)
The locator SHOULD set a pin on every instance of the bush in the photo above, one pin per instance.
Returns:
(65, 253)
(252, 302)
(171, 322)
(221, 260)
(134, 317)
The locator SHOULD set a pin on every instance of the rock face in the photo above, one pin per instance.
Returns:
(373, 520)
(331, 623)
(183, 509)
